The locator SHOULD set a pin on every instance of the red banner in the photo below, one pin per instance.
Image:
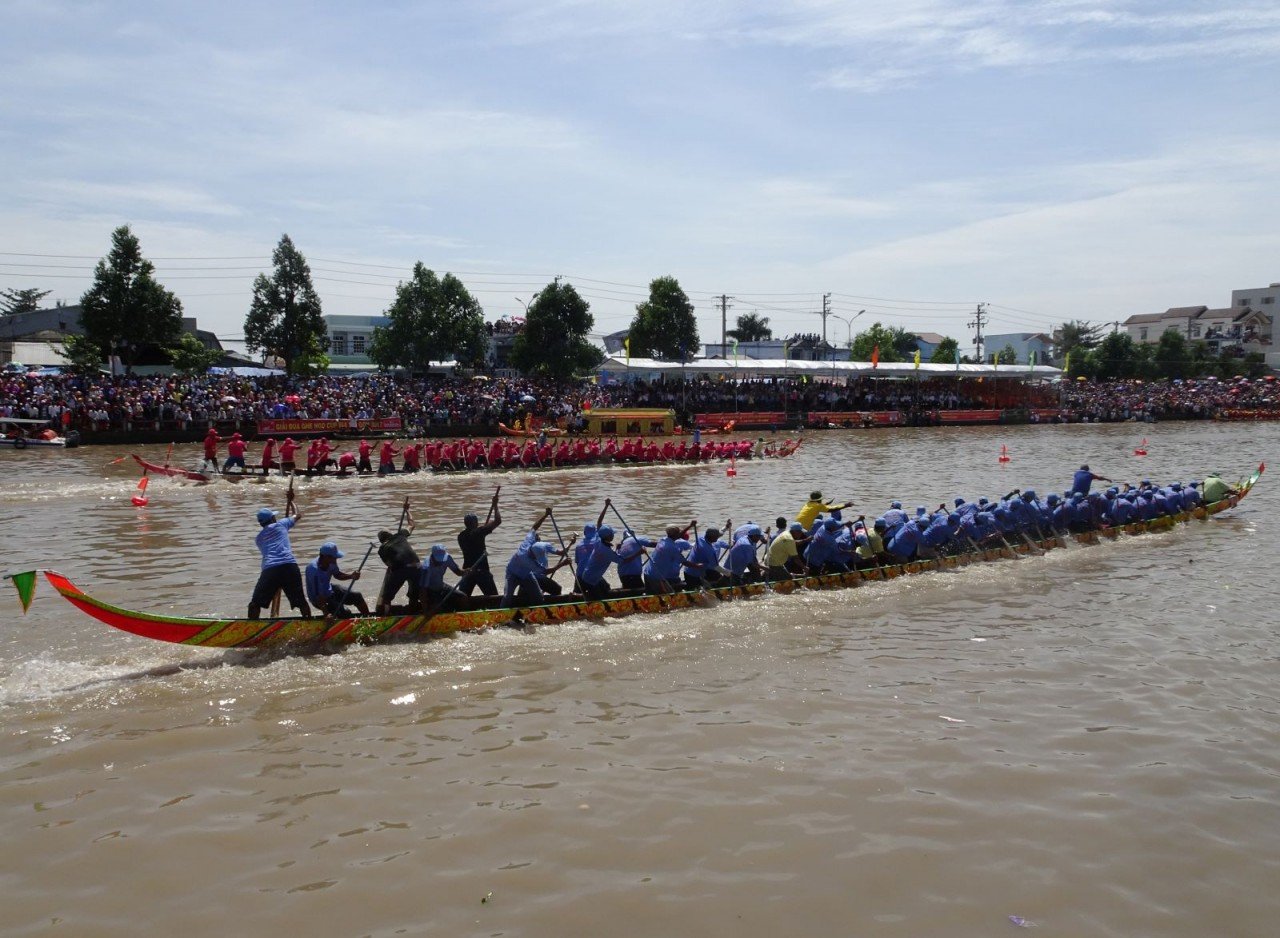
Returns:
(320, 425)
(745, 419)
(969, 416)
(858, 418)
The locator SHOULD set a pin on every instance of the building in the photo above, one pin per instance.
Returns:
(802, 347)
(36, 338)
(1022, 343)
(927, 343)
(349, 340)
(1259, 298)
(1239, 326)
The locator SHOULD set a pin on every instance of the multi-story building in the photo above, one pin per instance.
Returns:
(1240, 326)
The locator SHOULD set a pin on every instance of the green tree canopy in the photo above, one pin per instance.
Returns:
(126, 311)
(13, 302)
(1006, 356)
(752, 327)
(190, 357)
(895, 343)
(1072, 335)
(1115, 357)
(554, 341)
(1172, 356)
(81, 353)
(664, 325)
(431, 318)
(284, 318)
(946, 353)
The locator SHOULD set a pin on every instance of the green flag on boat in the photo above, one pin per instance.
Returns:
(26, 584)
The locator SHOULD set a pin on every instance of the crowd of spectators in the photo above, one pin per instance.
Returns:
(1190, 399)
(103, 403)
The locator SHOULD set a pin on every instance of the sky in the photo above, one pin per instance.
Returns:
(1055, 159)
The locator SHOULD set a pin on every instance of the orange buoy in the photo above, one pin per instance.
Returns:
(140, 499)
(1004, 453)
(1142, 448)
(732, 471)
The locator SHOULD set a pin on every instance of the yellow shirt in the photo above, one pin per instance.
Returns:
(810, 511)
(782, 549)
(873, 547)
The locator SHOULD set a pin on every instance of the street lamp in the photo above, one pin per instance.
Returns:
(848, 325)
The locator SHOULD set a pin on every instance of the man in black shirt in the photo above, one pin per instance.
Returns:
(402, 563)
(471, 540)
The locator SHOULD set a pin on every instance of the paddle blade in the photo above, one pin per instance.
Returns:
(140, 498)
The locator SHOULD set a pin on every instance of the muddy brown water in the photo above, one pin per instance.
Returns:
(1088, 740)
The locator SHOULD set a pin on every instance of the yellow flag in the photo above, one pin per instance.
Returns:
(626, 343)
(917, 358)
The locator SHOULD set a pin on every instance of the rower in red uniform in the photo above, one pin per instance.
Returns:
(411, 458)
(287, 450)
(494, 457)
(611, 448)
(387, 457)
(235, 453)
(651, 452)
(313, 451)
(269, 455)
(210, 450)
(668, 450)
(346, 463)
(364, 465)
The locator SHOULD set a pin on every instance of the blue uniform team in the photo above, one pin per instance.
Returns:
(686, 559)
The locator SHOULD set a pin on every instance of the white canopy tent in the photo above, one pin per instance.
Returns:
(619, 367)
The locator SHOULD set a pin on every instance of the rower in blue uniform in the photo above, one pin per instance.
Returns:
(1084, 478)
(744, 567)
(662, 572)
(592, 572)
(702, 564)
(434, 595)
(631, 566)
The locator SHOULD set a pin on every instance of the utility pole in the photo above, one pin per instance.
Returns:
(724, 326)
(979, 320)
(826, 311)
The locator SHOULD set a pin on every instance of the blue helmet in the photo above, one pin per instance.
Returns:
(831, 524)
(1052, 498)
(895, 504)
(796, 527)
(588, 532)
(605, 533)
(959, 501)
(266, 516)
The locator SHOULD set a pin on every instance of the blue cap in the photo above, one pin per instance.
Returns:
(605, 533)
(959, 501)
(438, 551)
(895, 504)
(1176, 486)
(330, 549)
(831, 524)
(922, 523)
(266, 516)
(753, 530)
(796, 526)
(1029, 495)
(921, 510)
(1052, 498)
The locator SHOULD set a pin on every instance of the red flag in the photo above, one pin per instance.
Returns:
(875, 357)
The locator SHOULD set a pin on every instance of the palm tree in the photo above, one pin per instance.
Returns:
(752, 327)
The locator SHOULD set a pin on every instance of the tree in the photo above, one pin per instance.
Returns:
(190, 357)
(1075, 334)
(895, 343)
(554, 341)
(1172, 357)
(13, 302)
(1006, 356)
(125, 310)
(1114, 357)
(284, 318)
(81, 353)
(752, 327)
(664, 325)
(946, 352)
(431, 319)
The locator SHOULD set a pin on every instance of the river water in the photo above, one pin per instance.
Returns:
(1088, 740)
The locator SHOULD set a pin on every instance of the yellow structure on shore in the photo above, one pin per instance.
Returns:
(630, 421)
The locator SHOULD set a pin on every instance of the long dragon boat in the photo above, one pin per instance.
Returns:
(306, 633)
